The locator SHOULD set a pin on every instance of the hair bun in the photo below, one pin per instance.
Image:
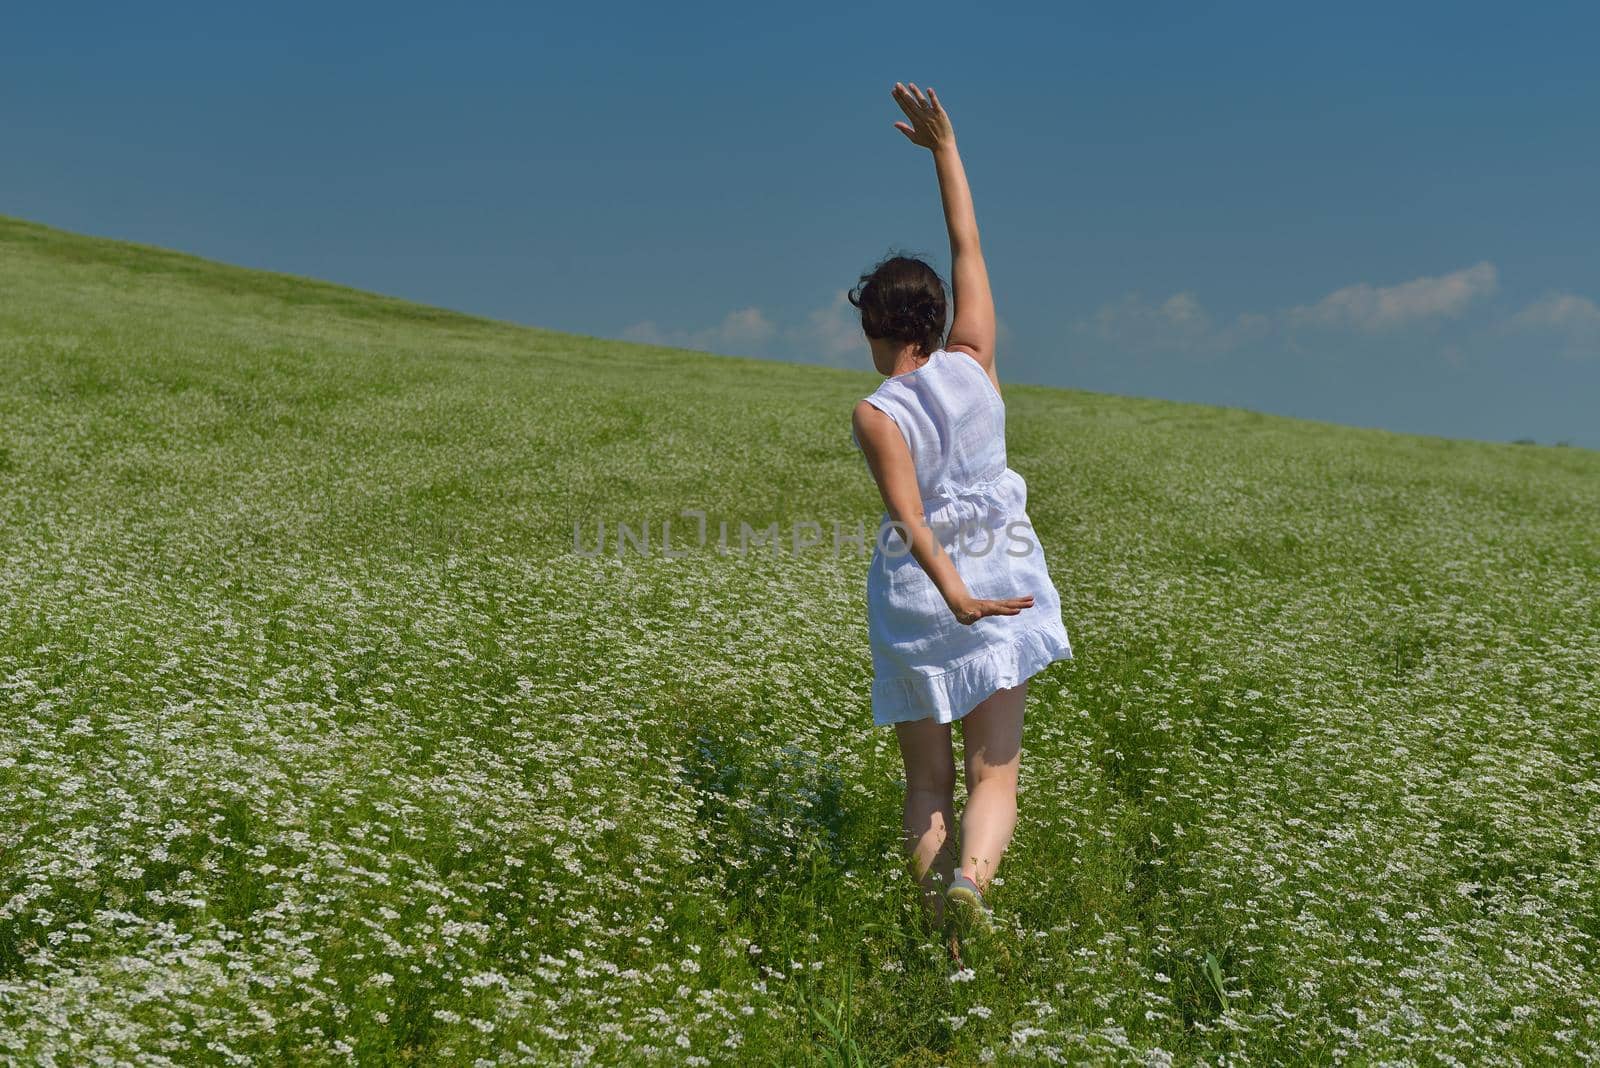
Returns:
(902, 298)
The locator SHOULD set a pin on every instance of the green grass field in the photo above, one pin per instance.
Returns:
(320, 742)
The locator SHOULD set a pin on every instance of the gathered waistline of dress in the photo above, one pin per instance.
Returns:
(989, 502)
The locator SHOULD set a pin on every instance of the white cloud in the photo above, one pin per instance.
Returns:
(1184, 312)
(1138, 323)
(830, 334)
(1568, 316)
(1565, 312)
(1177, 322)
(1181, 322)
(740, 333)
(1373, 308)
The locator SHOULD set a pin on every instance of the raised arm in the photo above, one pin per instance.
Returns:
(972, 328)
(889, 458)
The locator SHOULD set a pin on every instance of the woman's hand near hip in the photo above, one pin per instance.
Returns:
(968, 610)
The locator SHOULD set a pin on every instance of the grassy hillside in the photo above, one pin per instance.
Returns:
(318, 740)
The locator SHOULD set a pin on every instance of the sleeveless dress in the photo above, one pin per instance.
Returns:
(926, 664)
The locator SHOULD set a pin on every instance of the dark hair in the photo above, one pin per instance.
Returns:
(902, 298)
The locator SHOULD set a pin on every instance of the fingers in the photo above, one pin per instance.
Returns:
(929, 122)
(910, 99)
(1008, 606)
(907, 104)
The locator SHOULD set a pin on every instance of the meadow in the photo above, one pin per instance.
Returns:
(322, 739)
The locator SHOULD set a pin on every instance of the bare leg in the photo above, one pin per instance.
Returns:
(992, 733)
(930, 808)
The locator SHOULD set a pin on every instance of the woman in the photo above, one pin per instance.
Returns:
(961, 609)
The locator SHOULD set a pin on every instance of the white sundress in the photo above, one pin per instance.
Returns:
(926, 664)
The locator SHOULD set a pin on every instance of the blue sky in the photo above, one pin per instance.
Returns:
(1381, 215)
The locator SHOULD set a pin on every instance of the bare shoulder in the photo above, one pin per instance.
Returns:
(869, 420)
(877, 432)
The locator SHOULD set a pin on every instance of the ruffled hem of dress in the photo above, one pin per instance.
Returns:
(947, 696)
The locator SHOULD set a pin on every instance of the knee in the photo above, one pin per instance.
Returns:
(940, 780)
(992, 777)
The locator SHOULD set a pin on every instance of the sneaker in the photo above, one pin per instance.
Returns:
(967, 900)
(976, 930)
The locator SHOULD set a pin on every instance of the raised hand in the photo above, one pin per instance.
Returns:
(972, 609)
(930, 125)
